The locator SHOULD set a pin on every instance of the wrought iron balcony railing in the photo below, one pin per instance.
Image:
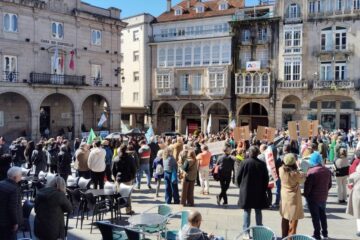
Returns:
(10, 76)
(54, 79)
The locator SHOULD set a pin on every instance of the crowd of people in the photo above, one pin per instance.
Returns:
(299, 164)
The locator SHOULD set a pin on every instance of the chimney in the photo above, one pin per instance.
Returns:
(168, 7)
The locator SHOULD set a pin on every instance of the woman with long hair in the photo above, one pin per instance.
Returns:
(291, 208)
(30, 147)
(170, 177)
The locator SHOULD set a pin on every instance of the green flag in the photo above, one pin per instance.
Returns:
(91, 137)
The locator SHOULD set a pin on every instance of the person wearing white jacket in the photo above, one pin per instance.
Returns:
(96, 163)
(353, 207)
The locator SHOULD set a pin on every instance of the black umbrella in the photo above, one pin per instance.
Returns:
(115, 135)
(134, 132)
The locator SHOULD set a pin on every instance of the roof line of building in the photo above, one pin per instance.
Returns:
(136, 15)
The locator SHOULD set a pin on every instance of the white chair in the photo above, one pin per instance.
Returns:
(42, 175)
(84, 183)
(71, 181)
(49, 177)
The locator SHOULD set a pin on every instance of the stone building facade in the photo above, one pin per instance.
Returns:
(318, 62)
(60, 62)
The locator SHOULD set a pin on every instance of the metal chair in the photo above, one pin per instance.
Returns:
(298, 237)
(133, 234)
(123, 201)
(98, 208)
(172, 234)
(163, 210)
(258, 233)
(110, 231)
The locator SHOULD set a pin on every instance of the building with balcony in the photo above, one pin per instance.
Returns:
(192, 66)
(255, 38)
(136, 70)
(318, 61)
(58, 60)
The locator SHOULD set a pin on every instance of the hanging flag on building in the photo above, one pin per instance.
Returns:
(209, 125)
(149, 133)
(62, 58)
(102, 120)
(91, 137)
(72, 62)
(56, 60)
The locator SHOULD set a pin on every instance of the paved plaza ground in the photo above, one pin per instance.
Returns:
(228, 222)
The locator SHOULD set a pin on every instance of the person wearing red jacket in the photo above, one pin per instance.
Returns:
(355, 163)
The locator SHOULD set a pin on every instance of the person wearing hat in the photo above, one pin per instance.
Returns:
(108, 159)
(316, 190)
(291, 208)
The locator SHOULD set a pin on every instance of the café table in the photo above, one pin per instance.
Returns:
(147, 220)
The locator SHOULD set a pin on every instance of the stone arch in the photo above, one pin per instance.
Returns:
(93, 107)
(219, 116)
(190, 117)
(181, 107)
(16, 115)
(165, 113)
(161, 103)
(208, 107)
(253, 114)
(291, 109)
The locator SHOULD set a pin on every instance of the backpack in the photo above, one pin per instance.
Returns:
(159, 169)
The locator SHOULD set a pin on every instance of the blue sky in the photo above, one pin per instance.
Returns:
(133, 7)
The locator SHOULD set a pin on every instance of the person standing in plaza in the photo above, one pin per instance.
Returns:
(64, 162)
(39, 159)
(190, 168)
(81, 161)
(316, 190)
(353, 207)
(10, 204)
(204, 159)
(341, 167)
(144, 154)
(170, 177)
(158, 170)
(253, 180)
(154, 147)
(96, 163)
(225, 164)
(30, 147)
(291, 208)
(5, 165)
(4, 149)
(108, 159)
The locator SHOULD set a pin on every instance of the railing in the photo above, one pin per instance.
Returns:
(292, 84)
(216, 91)
(164, 91)
(244, 16)
(96, 81)
(333, 12)
(54, 79)
(329, 49)
(337, 84)
(9, 76)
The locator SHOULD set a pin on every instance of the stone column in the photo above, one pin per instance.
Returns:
(115, 118)
(178, 122)
(35, 128)
(132, 120)
(204, 121)
(357, 119)
(154, 122)
(78, 120)
(318, 113)
(337, 118)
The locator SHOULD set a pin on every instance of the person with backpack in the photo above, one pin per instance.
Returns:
(341, 167)
(158, 170)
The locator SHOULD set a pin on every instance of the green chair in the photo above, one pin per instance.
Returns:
(298, 237)
(258, 233)
(172, 234)
(163, 210)
(110, 231)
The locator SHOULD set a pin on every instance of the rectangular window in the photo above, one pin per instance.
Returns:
(136, 76)
(215, 59)
(190, 31)
(10, 68)
(57, 65)
(135, 97)
(199, 30)
(188, 55)
(311, 7)
(10, 22)
(294, 11)
(340, 71)
(262, 34)
(170, 57)
(287, 71)
(196, 83)
(339, 5)
(136, 35)
(197, 55)
(172, 32)
(340, 40)
(184, 84)
(246, 35)
(178, 12)
(319, 6)
(292, 70)
(262, 56)
(136, 56)
(206, 55)
(181, 32)
(96, 74)
(162, 81)
(96, 37)
(356, 4)
(164, 33)
(1, 118)
(225, 54)
(179, 57)
(216, 80)
(162, 57)
(297, 39)
(288, 38)
(245, 56)
(325, 72)
(57, 30)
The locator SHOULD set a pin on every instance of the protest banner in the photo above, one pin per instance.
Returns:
(241, 133)
(293, 130)
(270, 163)
(216, 148)
(308, 129)
(265, 134)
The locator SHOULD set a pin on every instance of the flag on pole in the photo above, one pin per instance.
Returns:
(209, 125)
(102, 120)
(232, 124)
(72, 62)
(149, 133)
(56, 60)
(62, 58)
(91, 137)
(187, 131)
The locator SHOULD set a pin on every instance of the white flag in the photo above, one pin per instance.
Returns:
(187, 131)
(102, 120)
(209, 125)
(232, 124)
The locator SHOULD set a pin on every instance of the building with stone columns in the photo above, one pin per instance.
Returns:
(59, 59)
(192, 66)
(318, 62)
(136, 70)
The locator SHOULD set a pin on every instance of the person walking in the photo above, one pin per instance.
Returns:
(64, 162)
(81, 161)
(225, 164)
(190, 168)
(170, 177)
(39, 159)
(96, 163)
(124, 170)
(144, 154)
(341, 167)
(332, 147)
(204, 159)
(353, 207)
(291, 208)
(30, 147)
(158, 170)
(53, 153)
(316, 190)
(253, 181)
(50, 224)
(10, 204)
(108, 159)
(154, 147)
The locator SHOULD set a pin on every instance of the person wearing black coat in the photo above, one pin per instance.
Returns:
(226, 167)
(253, 180)
(50, 225)
(64, 162)
(5, 164)
(154, 147)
